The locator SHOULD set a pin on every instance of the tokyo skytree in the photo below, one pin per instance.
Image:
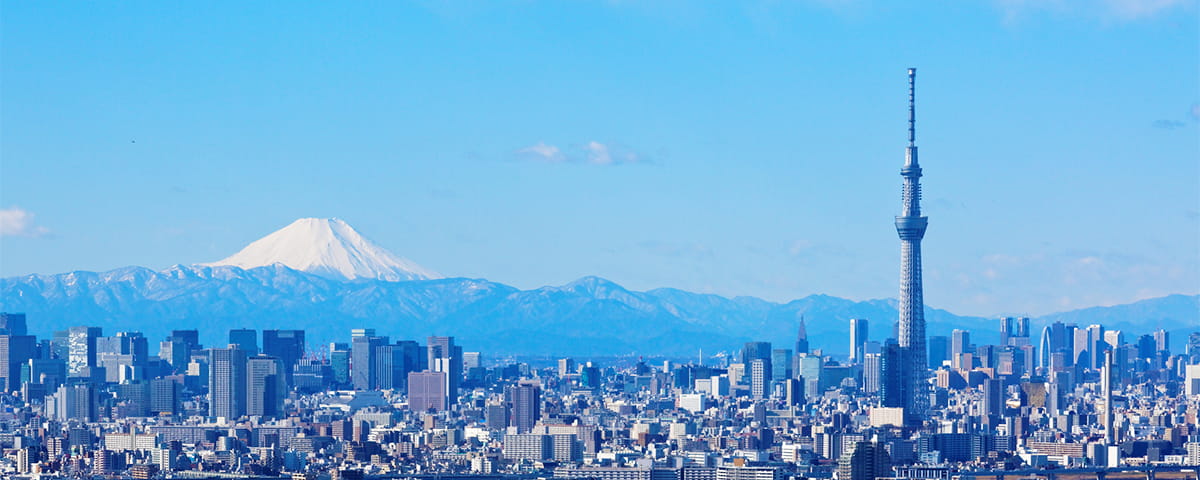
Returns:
(910, 225)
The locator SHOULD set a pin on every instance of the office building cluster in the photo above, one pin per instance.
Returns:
(1078, 398)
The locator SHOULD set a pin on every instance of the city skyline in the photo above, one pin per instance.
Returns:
(600, 240)
(709, 206)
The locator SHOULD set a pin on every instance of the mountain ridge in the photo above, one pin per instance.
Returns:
(588, 316)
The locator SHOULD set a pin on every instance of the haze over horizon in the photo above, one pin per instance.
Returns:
(738, 150)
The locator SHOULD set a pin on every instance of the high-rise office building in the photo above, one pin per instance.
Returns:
(939, 350)
(781, 364)
(190, 337)
(872, 372)
(339, 362)
(566, 366)
(427, 391)
(993, 398)
(760, 380)
(1162, 341)
(960, 343)
(394, 362)
(363, 348)
(164, 396)
(793, 392)
(227, 382)
(1192, 351)
(50, 372)
(15, 350)
(125, 343)
(175, 352)
(287, 346)
(892, 384)
(1096, 345)
(82, 349)
(74, 402)
(858, 337)
(1106, 379)
(863, 460)
(1114, 338)
(1082, 346)
(524, 405)
(809, 367)
(246, 340)
(756, 350)
(265, 386)
(13, 324)
(1006, 329)
(445, 356)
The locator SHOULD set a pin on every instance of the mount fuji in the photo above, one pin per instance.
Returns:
(326, 247)
(322, 276)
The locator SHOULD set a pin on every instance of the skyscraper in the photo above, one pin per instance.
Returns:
(426, 391)
(760, 378)
(15, 350)
(82, 349)
(525, 405)
(1106, 378)
(865, 461)
(287, 346)
(246, 340)
(939, 346)
(858, 336)
(781, 364)
(1162, 341)
(960, 343)
(1006, 329)
(910, 226)
(362, 361)
(12, 323)
(445, 356)
(892, 384)
(394, 362)
(264, 386)
(227, 382)
(189, 337)
(801, 338)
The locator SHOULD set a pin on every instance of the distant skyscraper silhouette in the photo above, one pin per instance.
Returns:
(246, 339)
(287, 346)
(910, 226)
(12, 324)
(858, 337)
(801, 338)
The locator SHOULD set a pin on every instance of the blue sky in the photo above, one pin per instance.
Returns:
(745, 148)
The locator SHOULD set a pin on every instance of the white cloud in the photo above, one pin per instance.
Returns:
(18, 222)
(542, 151)
(597, 153)
(593, 152)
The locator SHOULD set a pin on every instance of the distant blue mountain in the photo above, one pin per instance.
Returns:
(591, 316)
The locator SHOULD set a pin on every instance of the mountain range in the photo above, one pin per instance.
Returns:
(322, 276)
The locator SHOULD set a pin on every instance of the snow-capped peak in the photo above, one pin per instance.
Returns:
(328, 247)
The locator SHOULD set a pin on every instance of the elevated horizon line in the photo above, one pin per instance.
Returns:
(582, 279)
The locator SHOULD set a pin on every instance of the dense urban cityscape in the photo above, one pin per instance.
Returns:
(1072, 399)
(1075, 401)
